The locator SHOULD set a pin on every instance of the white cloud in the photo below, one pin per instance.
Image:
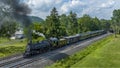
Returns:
(109, 4)
(42, 5)
(73, 5)
(99, 8)
(42, 8)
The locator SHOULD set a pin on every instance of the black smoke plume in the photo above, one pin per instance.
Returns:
(19, 10)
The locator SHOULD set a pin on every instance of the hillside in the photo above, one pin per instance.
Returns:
(35, 19)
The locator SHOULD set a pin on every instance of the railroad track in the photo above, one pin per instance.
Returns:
(15, 61)
(19, 61)
(10, 59)
(22, 63)
(9, 62)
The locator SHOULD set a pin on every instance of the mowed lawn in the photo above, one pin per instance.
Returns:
(12, 48)
(104, 53)
(107, 56)
(4, 40)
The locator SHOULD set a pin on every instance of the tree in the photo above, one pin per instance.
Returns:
(8, 24)
(38, 27)
(73, 24)
(85, 23)
(105, 24)
(53, 24)
(96, 24)
(64, 24)
(37, 32)
(8, 28)
(116, 21)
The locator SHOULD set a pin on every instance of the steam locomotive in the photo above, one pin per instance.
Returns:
(54, 43)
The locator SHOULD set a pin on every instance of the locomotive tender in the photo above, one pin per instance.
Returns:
(54, 43)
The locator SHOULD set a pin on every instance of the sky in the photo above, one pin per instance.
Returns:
(95, 8)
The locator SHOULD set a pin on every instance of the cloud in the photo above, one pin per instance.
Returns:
(109, 4)
(42, 8)
(99, 8)
(42, 5)
(73, 5)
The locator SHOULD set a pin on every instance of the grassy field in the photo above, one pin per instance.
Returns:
(9, 49)
(3, 40)
(107, 56)
(104, 53)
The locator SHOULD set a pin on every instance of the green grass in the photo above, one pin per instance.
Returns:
(86, 56)
(4, 40)
(106, 57)
(11, 47)
(14, 48)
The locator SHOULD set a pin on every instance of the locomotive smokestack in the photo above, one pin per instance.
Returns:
(19, 11)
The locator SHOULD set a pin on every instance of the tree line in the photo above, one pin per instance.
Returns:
(56, 25)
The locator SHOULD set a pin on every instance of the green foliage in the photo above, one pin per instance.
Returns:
(59, 26)
(8, 24)
(116, 21)
(71, 60)
(8, 28)
(38, 27)
(34, 40)
(105, 24)
(73, 24)
(53, 24)
(97, 24)
(64, 24)
(85, 23)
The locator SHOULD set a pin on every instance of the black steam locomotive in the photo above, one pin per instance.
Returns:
(54, 43)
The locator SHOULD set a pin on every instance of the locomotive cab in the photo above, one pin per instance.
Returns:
(54, 42)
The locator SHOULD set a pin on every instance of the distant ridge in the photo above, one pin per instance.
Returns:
(36, 19)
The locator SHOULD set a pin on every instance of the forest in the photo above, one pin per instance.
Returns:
(59, 26)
